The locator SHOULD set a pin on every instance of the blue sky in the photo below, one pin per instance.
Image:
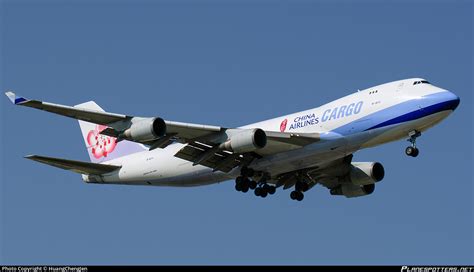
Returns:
(230, 64)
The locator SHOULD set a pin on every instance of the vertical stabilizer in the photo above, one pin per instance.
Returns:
(100, 147)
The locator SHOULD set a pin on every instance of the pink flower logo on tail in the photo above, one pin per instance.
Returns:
(101, 145)
(283, 125)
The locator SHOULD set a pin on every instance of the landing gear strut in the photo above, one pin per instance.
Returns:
(412, 150)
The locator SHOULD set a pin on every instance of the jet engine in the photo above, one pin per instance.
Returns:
(351, 190)
(245, 141)
(360, 180)
(146, 129)
(365, 173)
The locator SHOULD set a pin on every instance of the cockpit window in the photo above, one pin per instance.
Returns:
(421, 82)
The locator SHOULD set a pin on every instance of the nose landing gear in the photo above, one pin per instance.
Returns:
(412, 151)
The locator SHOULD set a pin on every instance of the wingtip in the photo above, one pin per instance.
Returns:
(29, 156)
(11, 95)
(14, 98)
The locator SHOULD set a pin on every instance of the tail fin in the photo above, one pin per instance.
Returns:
(100, 147)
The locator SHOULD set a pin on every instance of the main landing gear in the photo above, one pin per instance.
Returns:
(244, 182)
(300, 187)
(263, 188)
(412, 150)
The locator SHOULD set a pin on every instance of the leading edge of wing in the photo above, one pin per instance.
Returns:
(299, 139)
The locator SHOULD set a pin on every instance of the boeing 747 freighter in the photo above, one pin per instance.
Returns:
(296, 151)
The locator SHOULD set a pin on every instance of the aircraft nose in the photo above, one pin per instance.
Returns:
(441, 101)
(452, 101)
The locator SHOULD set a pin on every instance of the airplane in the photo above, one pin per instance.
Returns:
(297, 150)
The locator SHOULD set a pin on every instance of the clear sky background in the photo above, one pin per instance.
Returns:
(229, 64)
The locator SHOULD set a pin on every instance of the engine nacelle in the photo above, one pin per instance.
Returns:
(350, 190)
(146, 129)
(366, 173)
(245, 141)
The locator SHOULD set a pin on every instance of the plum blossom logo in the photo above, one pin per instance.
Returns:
(101, 145)
(283, 125)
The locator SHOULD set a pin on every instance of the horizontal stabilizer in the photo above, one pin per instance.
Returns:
(75, 166)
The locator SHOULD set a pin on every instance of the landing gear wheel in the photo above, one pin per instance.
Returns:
(271, 189)
(294, 195)
(412, 151)
(245, 184)
(238, 186)
(263, 193)
(253, 184)
(238, 179)
(299, 196)
(258, 191)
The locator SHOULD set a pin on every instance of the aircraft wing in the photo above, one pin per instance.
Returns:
(204, 142)
(209, 154)
(114, 120)
(102, 118)
(327, 174)
(75, 166)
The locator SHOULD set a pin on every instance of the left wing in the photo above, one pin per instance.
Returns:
(212, 146)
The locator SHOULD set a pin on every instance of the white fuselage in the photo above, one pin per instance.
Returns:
(367, 118)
